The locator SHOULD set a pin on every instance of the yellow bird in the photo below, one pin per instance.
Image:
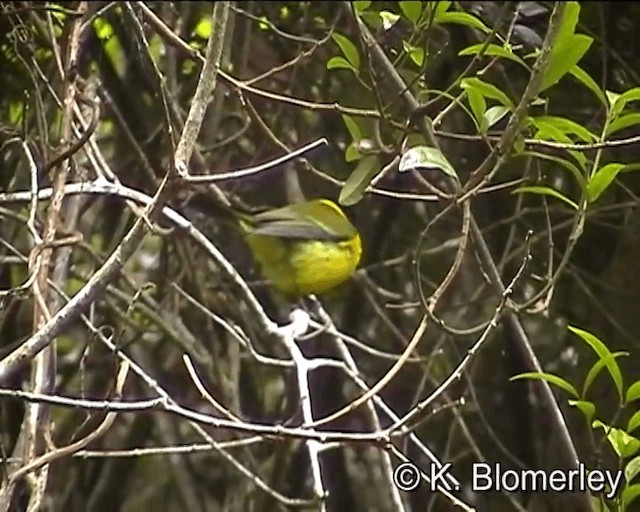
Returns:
(304, 248)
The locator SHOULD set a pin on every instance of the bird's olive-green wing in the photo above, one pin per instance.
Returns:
(315, 220)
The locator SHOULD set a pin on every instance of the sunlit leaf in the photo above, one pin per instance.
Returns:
(632, 469)
(495, 114)
(349, 50)
(622, 122)
(462, 18)
(415, 53)
(633, 393)
(563, 58)
(389, 19)
(361, 6)
(551, 379)
(624, 445)
(564, 163)
(588, 409)
(634, 422)
(629, 494)
(603, 352)
(339, 63)
(567, 126)
(352, 128)
(412, 10)
(597, 368)
(568, 23)
(424, 157)
(547, 191)
(493, 50)
(488, 90)
(601, 180)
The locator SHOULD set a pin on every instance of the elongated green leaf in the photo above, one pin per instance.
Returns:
(603, 352)
(547, 191)
(566, 126)
(493, 50)
(359, 180)
(632, 469)
(551, 379)
(633, 393)
(582, 76)
(488, 90)
(563, 58)
(361, 5)
(601, 180)
(629, 494)
(623, 444)
(560, 161)
(622, 122)
(462, 18)
(415, 53)
(634, 422)
(441, 8)
(412, 10)
(494, 114)
(349, 50)
(424, 157)
(478, 107)
(587, 408)
(352, 128)
(597, 368)
(338, 62)
(568, 23)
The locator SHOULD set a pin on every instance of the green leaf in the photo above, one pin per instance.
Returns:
(568, 24)
(352, 153)
(547, 191)
(634, 422)
(441, 8)
(495, 114)
(359, 180)
(339, 63)
(488, 90)
(633, 393)
(424, 157)
(389, 19)
(563, 58)
(623, 444)
(601, 180)
(603, 352)
(622, 122)
(412, 10)
(550, 378)
(560, 161)
(582, 76)
(352, 128)
(493, 50)
(629, 494)
(632, 469)
(462, 18)
(478, 107)
(415, 53)
(630, 95)
(588, 409)
(597, 368)
(348, 49)
(566, 126)
(361, 6)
